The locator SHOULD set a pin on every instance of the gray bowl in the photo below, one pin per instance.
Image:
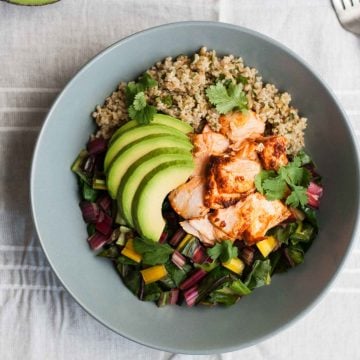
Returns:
(94, 284)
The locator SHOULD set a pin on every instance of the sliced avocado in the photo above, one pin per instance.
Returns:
(32, 2)
(134, 151)
(148, 200)
(136, 133)
(138, 170)
(158, 119)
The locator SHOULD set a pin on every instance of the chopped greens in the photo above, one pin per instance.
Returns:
(181, 266)
(152, 252)
(259, 275)
(229, 98)
(89, 193)
(224, 251)
(296, 254)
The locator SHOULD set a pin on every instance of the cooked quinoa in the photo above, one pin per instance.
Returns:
(181, 93)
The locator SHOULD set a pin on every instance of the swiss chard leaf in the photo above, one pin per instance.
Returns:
(304, 233)
(296, 254)
(152, 292)
(111, 252)
(177, 275)
(153, 253)
(218, 297)
(311, 216)
(282, 233)
(240, 288)
(259, 275)
(132, 281)
(126, 261)
(88, 193)
(224, 251)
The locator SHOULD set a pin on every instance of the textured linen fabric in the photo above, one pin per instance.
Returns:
(41, 48)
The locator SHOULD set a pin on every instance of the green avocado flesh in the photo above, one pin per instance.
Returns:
(148, 200)
(134, 151)
(137, 171)
(158, 119)
(31, 2)
(136, 133)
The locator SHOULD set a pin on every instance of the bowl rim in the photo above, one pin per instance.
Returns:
(354, 144)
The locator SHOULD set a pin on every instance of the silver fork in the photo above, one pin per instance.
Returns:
(348, 12)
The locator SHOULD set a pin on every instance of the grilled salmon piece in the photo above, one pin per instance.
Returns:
(238, 126)
(231, 176)
(248, 149)
(206, 144)
(272, 153)
(203, 229)
(188, 199)
(250, 219)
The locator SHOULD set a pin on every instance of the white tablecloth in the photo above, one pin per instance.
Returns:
(40, 50)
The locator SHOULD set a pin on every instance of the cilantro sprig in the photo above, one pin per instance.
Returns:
(227, 98)
(290, 182)
(138, 107)
(153, 253)
(224, 251)
(140, 110)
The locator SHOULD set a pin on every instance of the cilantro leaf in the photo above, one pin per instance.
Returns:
(261, 177)
(224, 251)
(139, 102)
(297, 197)
(153, 253)
(226, 99)
(291, 174)
(291, 178)
(274, 188)
(140, 110)
(302, 158)
(133, 88)
(146, 81)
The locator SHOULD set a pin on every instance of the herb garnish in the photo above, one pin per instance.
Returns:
(227, 98)
(290, 181)
(138, 108)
